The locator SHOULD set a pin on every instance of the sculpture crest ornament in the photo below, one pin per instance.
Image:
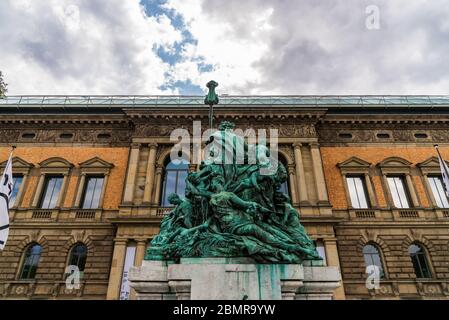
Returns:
(233, 210)
(211, 97)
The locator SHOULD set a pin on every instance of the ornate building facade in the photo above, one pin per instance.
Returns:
(92, 176)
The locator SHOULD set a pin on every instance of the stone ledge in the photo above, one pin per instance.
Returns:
(232, 279)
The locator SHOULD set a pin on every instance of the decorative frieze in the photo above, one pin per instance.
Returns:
(328, 134)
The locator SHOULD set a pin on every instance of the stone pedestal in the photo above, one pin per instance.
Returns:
(232, 279)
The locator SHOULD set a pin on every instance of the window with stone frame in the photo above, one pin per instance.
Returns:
(30, 262)
(52, 183)
(92, 192)
(78, 257)
(420, 262)
(372, 257)
(438, 191)
(357, 183)
(357, 191)
(21, 172)
(398, 183)
(94, 174)
(51, 191)
(399, 191)
(432, 180)
(175, 174)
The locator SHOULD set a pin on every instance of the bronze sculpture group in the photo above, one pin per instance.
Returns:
(233, 209)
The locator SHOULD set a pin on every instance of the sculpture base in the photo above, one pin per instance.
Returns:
(233, 279)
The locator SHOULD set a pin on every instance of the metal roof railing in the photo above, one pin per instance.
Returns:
(141, 100)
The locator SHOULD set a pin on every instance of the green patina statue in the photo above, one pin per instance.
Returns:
(233, 210)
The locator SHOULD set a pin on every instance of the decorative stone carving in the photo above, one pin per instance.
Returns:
(80, 133)
(151, 129)
(329, 133)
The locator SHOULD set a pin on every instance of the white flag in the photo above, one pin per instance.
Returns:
(444, 172)
(6, 186)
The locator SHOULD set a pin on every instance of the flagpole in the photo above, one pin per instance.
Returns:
(439, 154)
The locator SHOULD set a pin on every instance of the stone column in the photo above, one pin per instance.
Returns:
(319, 174)
(61, 196)
(140, 252)
(115, 276)
(413, 196)
(300, 175)
(79, 193)
(429, 190)
(390, 202)
(103, 190)
(291, 177)
(149, 179)
(369, 189)
(157, 193)
(332, 259)
(128, 197)
(38, 193)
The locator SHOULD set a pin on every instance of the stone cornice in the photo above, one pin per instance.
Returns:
(387, 119)
(37, 119)
(226, 112)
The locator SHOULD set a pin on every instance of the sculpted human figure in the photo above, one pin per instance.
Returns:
(182, 211)
(234, 210)
(243, 222)
(178, 218)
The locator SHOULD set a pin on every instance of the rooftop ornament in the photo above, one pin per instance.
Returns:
(211, 99)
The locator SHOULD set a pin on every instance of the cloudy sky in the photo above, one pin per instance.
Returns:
(248, 46)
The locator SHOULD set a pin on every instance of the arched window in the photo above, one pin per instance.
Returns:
(284, 187)
(372, 258)
(174, 180)
(419, 260)
(31, 261)
(78, 256)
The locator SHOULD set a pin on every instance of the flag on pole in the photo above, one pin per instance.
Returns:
(444, 172)
(6, 187)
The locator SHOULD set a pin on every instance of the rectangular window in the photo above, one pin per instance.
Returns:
(92, 192)
(52, 189)
(319, 244)
(436, 184)
(398, 192)
(357, 192)
(15, 189)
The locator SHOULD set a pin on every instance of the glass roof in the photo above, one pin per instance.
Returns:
(224, 100)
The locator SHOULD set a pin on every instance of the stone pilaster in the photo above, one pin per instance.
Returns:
(319, 174)
(128, 197)
(149, 180)
(38, 192)
(118, 262)
(300, 176)
(332, 259)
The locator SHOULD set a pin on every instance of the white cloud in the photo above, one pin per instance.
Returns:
(322, 47)
(255, 47)
(82, 47)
